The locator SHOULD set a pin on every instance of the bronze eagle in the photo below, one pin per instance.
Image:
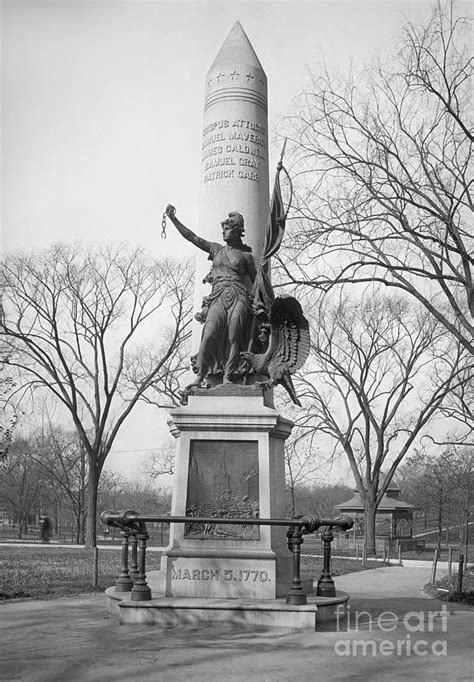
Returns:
(288, 345)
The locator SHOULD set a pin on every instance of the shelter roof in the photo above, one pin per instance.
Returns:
(390, 502)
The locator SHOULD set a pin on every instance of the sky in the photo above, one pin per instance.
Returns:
(102, 110)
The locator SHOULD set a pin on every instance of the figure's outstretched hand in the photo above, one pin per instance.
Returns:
(170, 211)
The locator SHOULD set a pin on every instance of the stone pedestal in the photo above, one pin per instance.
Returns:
(229, 462)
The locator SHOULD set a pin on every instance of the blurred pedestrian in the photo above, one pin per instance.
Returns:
(45, 530)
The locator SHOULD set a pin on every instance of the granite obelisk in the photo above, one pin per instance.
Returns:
(234, 172)
(235, 145)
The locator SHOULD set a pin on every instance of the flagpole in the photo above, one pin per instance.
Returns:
(279, 168)
(280, 162)
(264, 260)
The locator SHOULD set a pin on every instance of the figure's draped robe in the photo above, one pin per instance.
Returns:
(227, 325)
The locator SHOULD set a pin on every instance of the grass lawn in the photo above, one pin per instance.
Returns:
(313, 566)
(53, 571)
(450, 583)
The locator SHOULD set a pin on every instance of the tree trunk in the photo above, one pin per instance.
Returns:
(83, 527)
(440, 526)
(78, 528)
(466, 535)
(92, 487)
(293, 504)
(369, 519)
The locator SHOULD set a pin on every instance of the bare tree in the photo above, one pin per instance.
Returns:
(73, 320)
(432, 491)
(116, 492)
(442, 486)
(159, 463)
(322, 498)
(62, 458)
(9, 405)
(461, 462)
(370, 387)
(145, 498)
(459, 407)
(111, 485)
(301, 467)
(8, 415)
(383, 174)
(21, 483)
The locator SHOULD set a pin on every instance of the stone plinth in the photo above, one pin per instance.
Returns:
(229, 462)
(170, 612)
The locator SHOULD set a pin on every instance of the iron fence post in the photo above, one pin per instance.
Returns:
(124, 583)
(141, 590)
(326, 587)
(295, 595)
(134, 556)
(460, 574)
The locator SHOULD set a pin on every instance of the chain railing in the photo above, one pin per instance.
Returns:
(134, 535)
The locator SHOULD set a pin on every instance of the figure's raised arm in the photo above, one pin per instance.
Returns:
(186, 232)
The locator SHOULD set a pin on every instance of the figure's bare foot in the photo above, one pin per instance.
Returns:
(200, 381)
(187, 390)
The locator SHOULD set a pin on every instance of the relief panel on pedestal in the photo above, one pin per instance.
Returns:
(223, 481)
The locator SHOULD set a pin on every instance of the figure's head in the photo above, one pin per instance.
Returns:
(233, 227)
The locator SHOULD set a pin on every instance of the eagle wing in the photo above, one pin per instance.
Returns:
(290, 340)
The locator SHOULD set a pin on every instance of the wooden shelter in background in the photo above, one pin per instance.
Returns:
(394, 517)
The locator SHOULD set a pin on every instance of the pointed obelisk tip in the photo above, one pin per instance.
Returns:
(237, 47)
(238, 28)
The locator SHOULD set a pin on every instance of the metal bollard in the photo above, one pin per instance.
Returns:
(141, 590)
(95, 578)
(434, 566)
(460, 574)
(326, 587)
(124, 583)
(134, 556)
(296, 595)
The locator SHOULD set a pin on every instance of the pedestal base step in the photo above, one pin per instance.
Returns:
(169, 612)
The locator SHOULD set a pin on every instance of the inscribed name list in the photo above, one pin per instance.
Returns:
(233, 149)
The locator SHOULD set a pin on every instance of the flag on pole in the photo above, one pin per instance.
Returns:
(276, 220)
(263, 295)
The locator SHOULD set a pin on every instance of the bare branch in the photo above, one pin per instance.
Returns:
(74, 320)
